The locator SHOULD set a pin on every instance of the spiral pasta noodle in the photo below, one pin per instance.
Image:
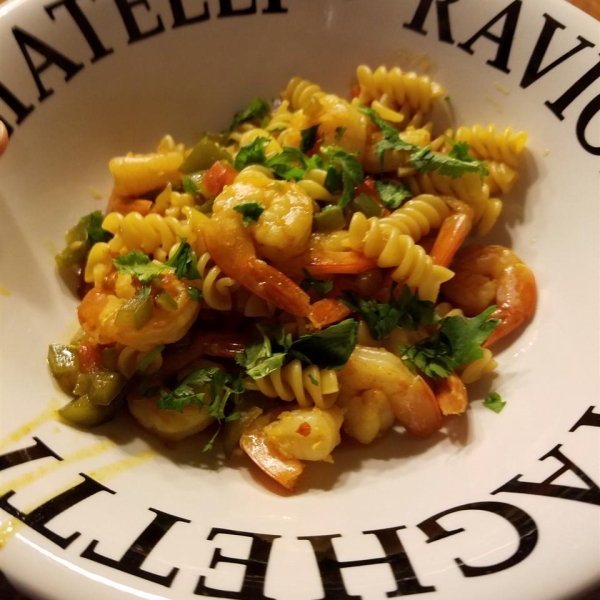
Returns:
(489, 143)
(130, 361)
(308, 386)
(99, 263)
(468, 187)
(502, 177)
(419, 216)
(303, 95)
(410, 263)
(313, 183)
(396, 88)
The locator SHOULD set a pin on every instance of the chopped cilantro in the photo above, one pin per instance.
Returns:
(407, 310)
(322, 287)
(222, 385)
(456, 343)
(139, 265)
(309, 138)
(330, 348)
(313, 380)
(184, 261)
(194, 293)
(392, 194)
(454, 164)
(259, 359)
(257, 109)
(352, 174)
(391, 136)
(290, 163)
(252, 153)
(250, 212)
(150, 357)
(189, 185)
(95, 232)
(184, 394)
(339, 133)
(494, 402)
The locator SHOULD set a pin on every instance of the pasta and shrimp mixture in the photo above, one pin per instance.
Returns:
(298, 278)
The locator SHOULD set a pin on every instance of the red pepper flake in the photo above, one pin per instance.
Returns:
(304, 429)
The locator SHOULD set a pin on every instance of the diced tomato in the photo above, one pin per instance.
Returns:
(218, 176)
(355, 93)
(90, 359)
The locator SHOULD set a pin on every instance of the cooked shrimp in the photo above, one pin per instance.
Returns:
(306, 433)
(231, 247)
(285, 470)
(451, 395)
(487, 275)
(452, 233)
(340, 124)
(99, 309)
(168, 424)
(171, 424)
(371, 370)
(283, 229)
(367, 415)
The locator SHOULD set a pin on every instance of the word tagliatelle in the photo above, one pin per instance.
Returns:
(300, 278)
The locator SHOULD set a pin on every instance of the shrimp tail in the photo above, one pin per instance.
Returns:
(517, 299)
(274, 287)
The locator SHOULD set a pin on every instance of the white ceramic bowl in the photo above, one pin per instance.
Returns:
(497, 506)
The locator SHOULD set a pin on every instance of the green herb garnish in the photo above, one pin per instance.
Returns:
(494, 402)
(250, 212)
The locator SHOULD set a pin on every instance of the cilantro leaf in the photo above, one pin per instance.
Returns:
(189, 185)
(150, 357)
(456, 163)
(392, 194)
(352, 174)
(321, 286)
(194, 293)
(250, 212)
(309, 138)
(185, 262)
(406, 310)
(252, 153)
(456, 343)
(425, 160)
(391, 136)
(139, 265)
(257, 109)
(221, 385)
(184, 394)
(466, 335)
(290, 163)
(259, 359)
(95, 232)
(494, 402)
(330, 348)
